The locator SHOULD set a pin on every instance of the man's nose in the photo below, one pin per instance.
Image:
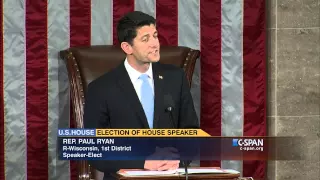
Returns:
(154, 42)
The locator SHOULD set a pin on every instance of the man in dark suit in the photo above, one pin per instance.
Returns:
(137, 93)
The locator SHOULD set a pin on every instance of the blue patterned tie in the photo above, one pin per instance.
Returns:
(147, 99)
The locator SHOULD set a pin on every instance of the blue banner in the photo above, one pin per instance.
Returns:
(125, 148)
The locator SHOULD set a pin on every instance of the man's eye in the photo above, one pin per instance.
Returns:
(144, 40)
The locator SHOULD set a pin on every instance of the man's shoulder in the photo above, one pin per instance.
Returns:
(170, 68)
(104, 81)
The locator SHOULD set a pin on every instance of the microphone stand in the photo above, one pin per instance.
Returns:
(186, 169)
(185, 163)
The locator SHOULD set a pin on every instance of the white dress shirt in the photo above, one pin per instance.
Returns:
(134, 76)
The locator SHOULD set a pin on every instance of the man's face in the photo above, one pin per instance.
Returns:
(146, 46)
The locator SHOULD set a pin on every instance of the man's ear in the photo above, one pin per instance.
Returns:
(126, 47)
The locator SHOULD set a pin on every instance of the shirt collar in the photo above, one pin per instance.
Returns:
(134, 74)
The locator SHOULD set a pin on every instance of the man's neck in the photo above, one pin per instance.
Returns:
(141, 67)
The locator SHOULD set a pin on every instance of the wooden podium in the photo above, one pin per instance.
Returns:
(181, 177)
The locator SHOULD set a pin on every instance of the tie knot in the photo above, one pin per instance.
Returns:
(144, 77)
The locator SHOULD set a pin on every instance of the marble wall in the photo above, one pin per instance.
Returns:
(294, 83)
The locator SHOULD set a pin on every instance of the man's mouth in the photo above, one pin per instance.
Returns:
(155, 52)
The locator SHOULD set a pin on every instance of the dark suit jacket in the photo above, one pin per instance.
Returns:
(111, 102)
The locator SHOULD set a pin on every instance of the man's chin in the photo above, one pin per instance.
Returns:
(154, 60)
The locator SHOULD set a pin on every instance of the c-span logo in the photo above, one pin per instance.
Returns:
(235, 142)
(248, 144)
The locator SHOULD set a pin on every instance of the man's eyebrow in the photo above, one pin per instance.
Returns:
(146, 35)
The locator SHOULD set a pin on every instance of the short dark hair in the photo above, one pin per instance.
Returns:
(129, 23)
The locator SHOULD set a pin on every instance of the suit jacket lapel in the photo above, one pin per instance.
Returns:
(158, 78)
(131, 95)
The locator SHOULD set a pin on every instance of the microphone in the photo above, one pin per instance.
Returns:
(169, 104)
